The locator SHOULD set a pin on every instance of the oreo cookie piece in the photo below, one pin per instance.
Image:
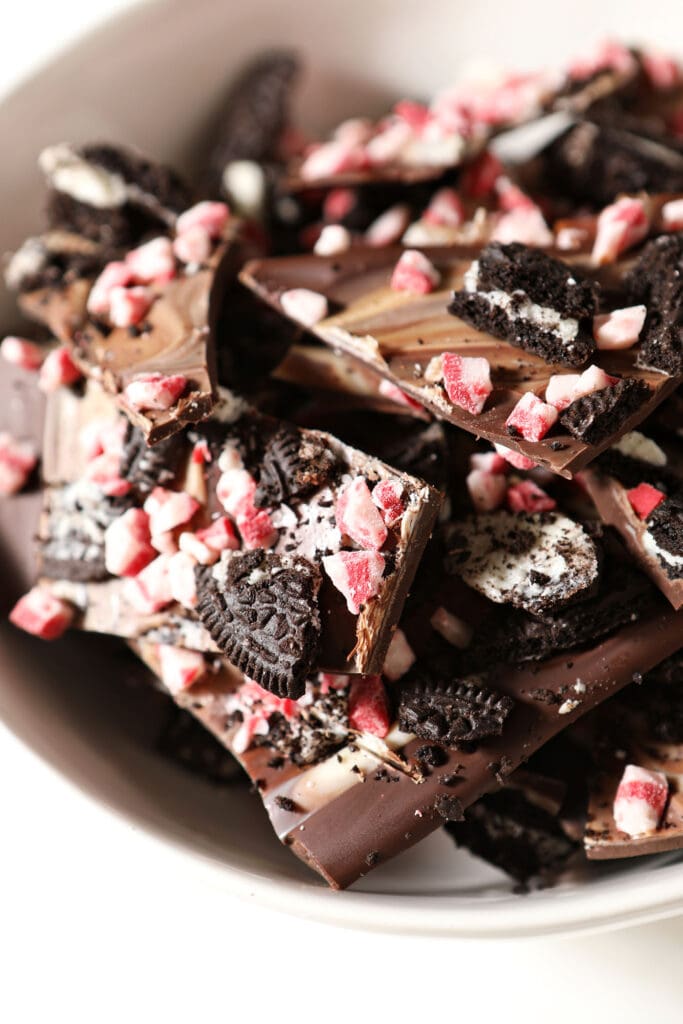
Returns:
(262, 611)
(601, 414)
(54, 260)
(657, 282)
(665, 528)
(597, 162)
(292, 466)
(145, 466)
(192, 747)
(512, 833)
(75, 517)
(535, 562)
(110, 194)
(531, 300)
(456, 714)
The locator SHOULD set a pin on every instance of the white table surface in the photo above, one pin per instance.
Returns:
(97, 924)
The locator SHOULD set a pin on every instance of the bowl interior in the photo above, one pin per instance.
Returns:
(154, 77)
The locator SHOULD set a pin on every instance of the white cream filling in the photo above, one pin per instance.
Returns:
(518, 307)
(636, 446)
(652, 548)
(28, 260)
(69, 173)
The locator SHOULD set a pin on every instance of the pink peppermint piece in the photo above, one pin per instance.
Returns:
(357, 575)
(561, 389)
(400, 657)
(415, 273)
(42, 614)
(415, 114)
(235, 490)
(619, 329)
(388, 228)
(480, 177)
(369, 706)
(17, 462)
(209, 215)
(201, 453)
(358, 517)
(663, 71)
(445, 208)
(338, 204)
(620, 226)
(150, 590)
(168, 509)
(396, 394)
(105, 471)
(257, 530)
(524, 224)
(181, 579)
(526, 496)
(128, 306)
(193, 246)
(179, 668)
(332, 681)
(355, 131)
(389, 143)
(388, 497)
(58, 370)
(467, 380)
(115, 275)
(644, 499)
(154, 391)
(571, 239)
(152, 262)
(331, 158)
(219, 536)
(165, 543)
(640, 800)
(531, 418)
(511, 197)
(606, 55)
(489, 462)
(127, 546)
(515, 459)
(672, 215)
(453, 629)
(304, 306)
(486, 490)
(193, 546)
(593, 379)
(333, 239)
(22, 353)
(102, 435)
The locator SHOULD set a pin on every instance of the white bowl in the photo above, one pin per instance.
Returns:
(151, 77)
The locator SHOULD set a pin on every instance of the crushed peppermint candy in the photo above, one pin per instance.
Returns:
(42, 614)
(22, 353)
(358, 516)
(155, 391)
(369, 706)
(305, 306)
(644, 499)
(620, 226)
(399, 658)
(531, 418)
(17, 461)
(179, 668)
(486, 489)
(388, 497)
(58, 370)
(414, 273)
(619, 329)
(357, 575)
(640, 800)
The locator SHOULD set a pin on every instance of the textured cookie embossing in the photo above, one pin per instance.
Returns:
(455, 714)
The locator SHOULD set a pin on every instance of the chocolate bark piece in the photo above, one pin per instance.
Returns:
(596, 162)
(657, 281)
(71, 539)
(175, 338)
(145, 466)
(601, 415)
(254, 115)
(456, 714)
(531, 300)
(514, 834)
(190, 746)
(262, 611)
(398, 334)
(111, 194)
(654, 542)
(304, 524)
(532, 561)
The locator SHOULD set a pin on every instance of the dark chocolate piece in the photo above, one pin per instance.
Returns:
(602, 414)
(657, 281)
(263, 614)
(531, 300)
(397, 335)
(457, 714)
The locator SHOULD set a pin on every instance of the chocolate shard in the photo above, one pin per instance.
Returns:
(657, 281)
(262, 611)
(531, 300)
(293, 465)
(110, 194)
(457, 714)
(397, 335)
(602, 414)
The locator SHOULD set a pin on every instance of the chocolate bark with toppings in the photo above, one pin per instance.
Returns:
(297, 499)
(657, 281)
(636, 487)
(533, 301)
(405, 337)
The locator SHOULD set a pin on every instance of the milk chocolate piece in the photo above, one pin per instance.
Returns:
(398, 334)
(304, 521)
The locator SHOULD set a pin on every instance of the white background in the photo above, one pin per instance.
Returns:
(97, 924)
